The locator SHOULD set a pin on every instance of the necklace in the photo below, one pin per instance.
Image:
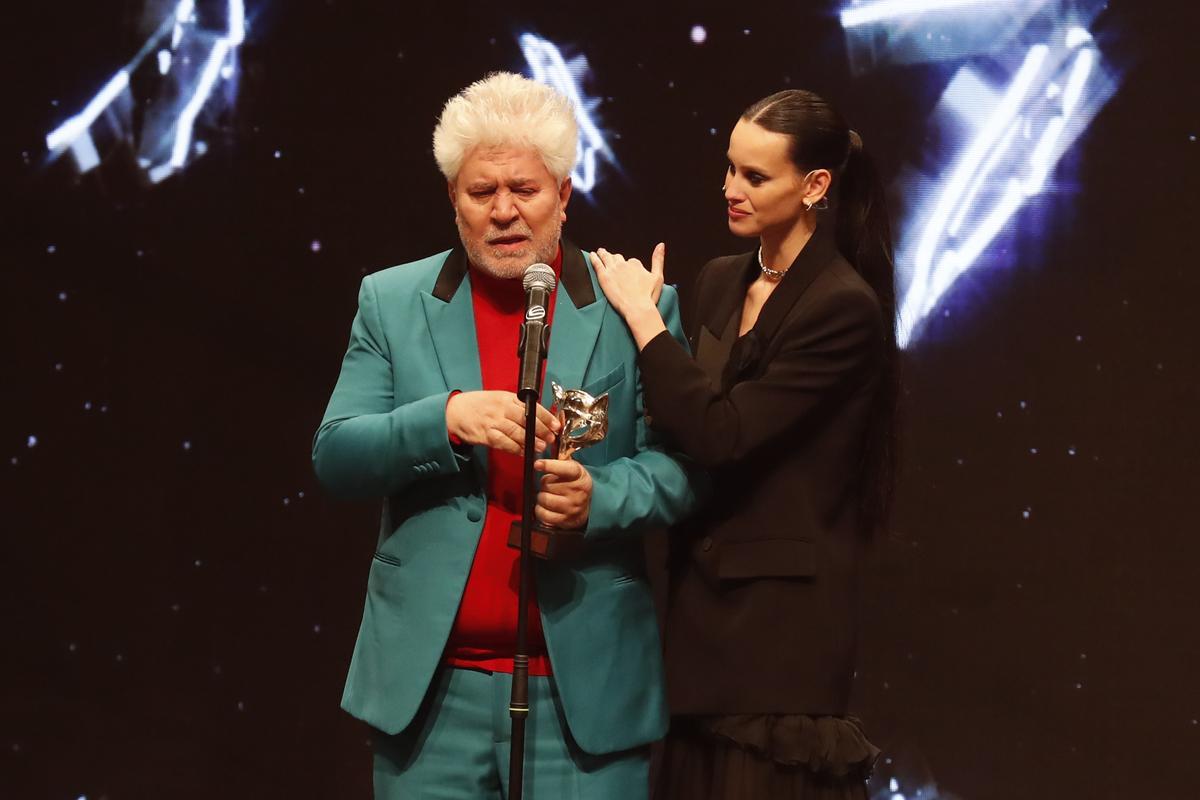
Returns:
(771, 274)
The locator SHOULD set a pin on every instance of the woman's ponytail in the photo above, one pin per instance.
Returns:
(821, 139)
(864, 237)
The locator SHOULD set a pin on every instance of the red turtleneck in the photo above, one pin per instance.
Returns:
(484, 633)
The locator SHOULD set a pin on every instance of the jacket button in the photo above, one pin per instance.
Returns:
(474, 515)
(706, 544)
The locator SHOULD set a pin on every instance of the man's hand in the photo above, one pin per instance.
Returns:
(566, 496)
(496, 420)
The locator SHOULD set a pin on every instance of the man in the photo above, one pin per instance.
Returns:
(424, 415)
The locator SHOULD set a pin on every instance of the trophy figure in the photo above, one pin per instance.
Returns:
(583, 421)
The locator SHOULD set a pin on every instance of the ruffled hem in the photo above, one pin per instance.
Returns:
(830, 745)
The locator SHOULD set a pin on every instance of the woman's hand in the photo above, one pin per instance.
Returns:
(633, 291)
(626, 283)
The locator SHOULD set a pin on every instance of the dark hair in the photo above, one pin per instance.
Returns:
(821, 139)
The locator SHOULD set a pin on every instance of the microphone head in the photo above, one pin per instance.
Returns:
(539, 276)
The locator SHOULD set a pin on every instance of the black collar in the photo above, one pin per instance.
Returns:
(575, 278)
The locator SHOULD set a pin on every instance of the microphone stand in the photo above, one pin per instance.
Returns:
(534, 336)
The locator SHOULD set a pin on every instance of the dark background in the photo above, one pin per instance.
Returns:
(179, 599)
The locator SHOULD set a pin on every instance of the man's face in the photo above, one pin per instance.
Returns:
(509, 209)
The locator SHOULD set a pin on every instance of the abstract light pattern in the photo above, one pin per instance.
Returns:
(190, 60)
(547, 65)
(1013, 130)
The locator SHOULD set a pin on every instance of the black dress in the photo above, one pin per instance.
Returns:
(758, 710)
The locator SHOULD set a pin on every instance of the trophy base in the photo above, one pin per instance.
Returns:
(549, 544)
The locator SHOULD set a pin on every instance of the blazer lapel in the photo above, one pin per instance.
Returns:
(450, 316)
(748, 352)
(578, 312)
(816, 254)
(737, 273)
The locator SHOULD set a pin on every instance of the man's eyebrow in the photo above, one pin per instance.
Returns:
(475, 186)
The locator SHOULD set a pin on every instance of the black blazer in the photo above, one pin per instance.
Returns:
(762, 608)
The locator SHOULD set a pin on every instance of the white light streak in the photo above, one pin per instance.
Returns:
(1018, 130)
(1077, 36)
(71, 130)
(237, 22)
(889, 9)
(921, 297)
(1077, 80)
(1040, 161)
(187, 117)
(83, 150)
(547, 66)
(175, 126)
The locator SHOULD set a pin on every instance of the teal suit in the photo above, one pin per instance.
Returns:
(384, 435)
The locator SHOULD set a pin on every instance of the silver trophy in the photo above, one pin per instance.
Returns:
(583, 421)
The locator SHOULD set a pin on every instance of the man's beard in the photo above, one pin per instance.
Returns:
(513, 265)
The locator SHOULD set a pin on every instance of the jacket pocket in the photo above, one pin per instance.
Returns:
(606, 382)
(767, 558)
(385, 558)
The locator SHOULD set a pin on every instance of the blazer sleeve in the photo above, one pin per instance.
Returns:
(653, 487)
(825, 352)
(367, 446)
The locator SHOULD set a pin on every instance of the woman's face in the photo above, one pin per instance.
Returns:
(763, 188)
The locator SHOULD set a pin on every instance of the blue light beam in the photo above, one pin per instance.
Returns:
(164, 141)
(890, 10)
(1013, 132)
(547, 65)
(1016, 145)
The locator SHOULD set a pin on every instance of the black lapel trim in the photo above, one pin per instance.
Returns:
(576, 278)
(818, 253)
(451, 277)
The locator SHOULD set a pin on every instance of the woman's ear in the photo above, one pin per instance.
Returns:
(816, 186)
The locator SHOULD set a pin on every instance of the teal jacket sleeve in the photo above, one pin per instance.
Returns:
(653, 487)
(367, 446)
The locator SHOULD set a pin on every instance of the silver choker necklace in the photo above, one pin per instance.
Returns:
(771, 274)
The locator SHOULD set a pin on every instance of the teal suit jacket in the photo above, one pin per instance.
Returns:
(384, 435)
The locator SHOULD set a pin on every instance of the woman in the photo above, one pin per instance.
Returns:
(789, 404)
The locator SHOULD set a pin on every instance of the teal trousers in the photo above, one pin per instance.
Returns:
(457, 748)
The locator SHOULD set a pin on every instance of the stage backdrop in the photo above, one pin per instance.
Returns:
(196, 189)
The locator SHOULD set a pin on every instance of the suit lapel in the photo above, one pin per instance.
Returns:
(578, 312)
(747, 353)
(450, 316)
(740, 271)
(816, 254)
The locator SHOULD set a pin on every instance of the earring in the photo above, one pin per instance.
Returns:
(820, 205)
(722, 187)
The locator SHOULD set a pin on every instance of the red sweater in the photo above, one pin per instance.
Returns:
(485, 631)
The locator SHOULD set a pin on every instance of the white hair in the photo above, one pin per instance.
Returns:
(507, 109)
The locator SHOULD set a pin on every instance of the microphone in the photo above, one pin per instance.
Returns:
(539, 283)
